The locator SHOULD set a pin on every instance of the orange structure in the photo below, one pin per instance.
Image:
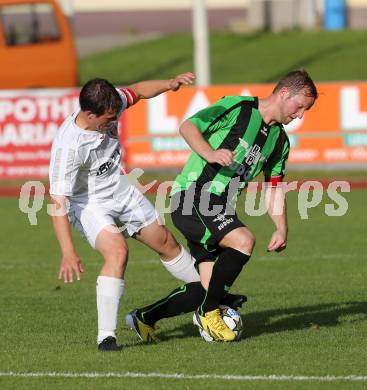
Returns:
(36, 45)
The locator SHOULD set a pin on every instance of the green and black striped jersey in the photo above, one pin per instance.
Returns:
(235, 123)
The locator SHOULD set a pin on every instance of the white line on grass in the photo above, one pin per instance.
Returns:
(328, 378)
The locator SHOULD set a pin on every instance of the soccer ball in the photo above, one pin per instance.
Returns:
(231, 318)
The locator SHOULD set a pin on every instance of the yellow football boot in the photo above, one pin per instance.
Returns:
(145, 332)
(213, 324)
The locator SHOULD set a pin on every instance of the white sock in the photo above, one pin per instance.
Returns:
(109, 292)
(183, 267)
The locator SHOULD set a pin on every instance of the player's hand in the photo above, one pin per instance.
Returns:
(185, 78)
(224, 157)
(70, 264)
(278, 241)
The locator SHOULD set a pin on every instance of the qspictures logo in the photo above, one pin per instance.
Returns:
(310, 194)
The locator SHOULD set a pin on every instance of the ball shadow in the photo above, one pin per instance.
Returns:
(280, 320)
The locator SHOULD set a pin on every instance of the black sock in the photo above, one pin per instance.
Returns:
(184, 299)
(225, 271)
(235, 301)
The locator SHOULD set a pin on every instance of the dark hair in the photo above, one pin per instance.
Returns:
(297, 81)
(99, 96)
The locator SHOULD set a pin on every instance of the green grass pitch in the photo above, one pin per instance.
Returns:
(306, 315)
(237, 58)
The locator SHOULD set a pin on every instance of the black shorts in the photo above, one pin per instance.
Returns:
(203, 232)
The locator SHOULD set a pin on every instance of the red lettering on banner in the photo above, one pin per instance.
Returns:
(28, 124)
(27, 134)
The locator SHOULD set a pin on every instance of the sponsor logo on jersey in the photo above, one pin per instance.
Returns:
(252, 157)
(113, 160)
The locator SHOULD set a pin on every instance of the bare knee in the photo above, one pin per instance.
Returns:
(115, 261)
(246, 243)
(242, 240)
(169, 247)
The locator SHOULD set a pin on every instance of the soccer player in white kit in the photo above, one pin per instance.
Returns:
(89, 191)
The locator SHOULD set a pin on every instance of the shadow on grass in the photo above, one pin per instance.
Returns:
(282, 320)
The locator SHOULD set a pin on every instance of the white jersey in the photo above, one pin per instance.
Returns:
(86, 165)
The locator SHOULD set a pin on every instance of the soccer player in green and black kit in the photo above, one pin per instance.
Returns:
(233, 141)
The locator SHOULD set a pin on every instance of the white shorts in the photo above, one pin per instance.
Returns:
(130, 213)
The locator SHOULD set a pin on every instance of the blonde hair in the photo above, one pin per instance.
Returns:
(296, 81)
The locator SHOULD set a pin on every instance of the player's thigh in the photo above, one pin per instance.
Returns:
(156, 236)
(136, 214)
(89, 220)
(241, 239)
(201, 241)
(189, 224)
(207, 229)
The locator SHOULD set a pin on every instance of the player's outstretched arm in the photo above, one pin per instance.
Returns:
(150, 88)
(70, 262)
(277, 210)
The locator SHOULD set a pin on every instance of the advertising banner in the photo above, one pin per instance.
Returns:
(333, 132)
(28, 123)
